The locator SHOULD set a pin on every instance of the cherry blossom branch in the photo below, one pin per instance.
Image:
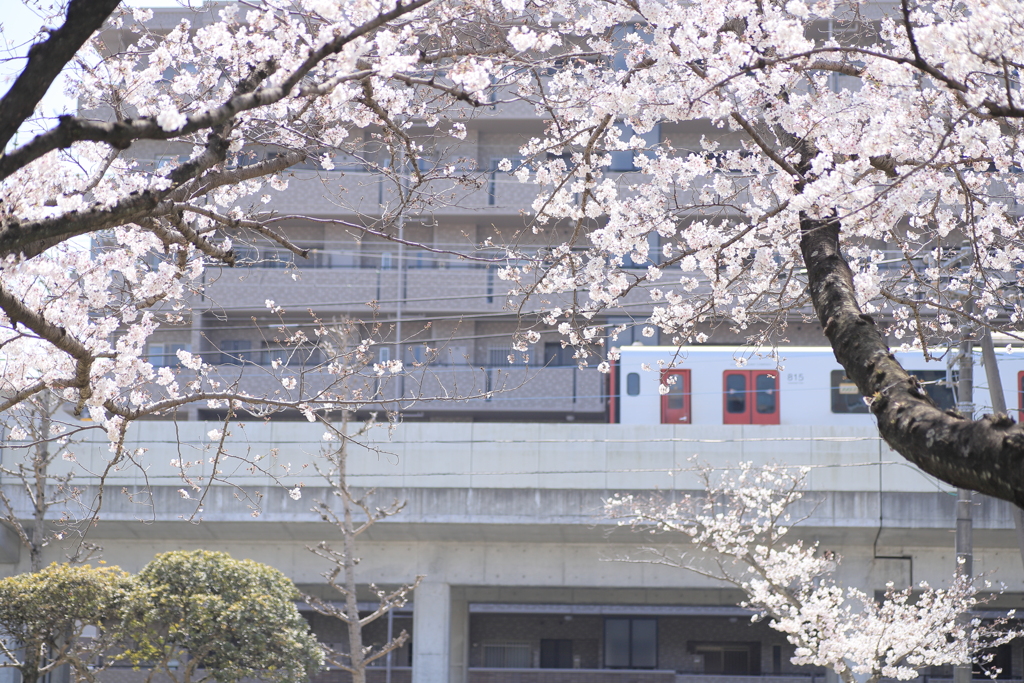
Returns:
(258, 227)
(121, 134)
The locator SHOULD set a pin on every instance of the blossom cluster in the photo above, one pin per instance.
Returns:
(738, 531)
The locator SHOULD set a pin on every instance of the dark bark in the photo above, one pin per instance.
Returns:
(47, 59)
(985, 455)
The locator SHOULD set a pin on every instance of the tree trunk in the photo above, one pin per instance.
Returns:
(983, 455)
(40, 470)
(355, 629)
(29, 668)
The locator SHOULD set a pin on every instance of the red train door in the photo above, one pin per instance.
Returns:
(1020, 396)
(675, 405)
(750, 397)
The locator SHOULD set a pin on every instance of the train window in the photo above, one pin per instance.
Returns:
(751, 397)
(633, 384)
(765, 394)
(937, 387)
(736, 393)
(675, 405)
(846, 398)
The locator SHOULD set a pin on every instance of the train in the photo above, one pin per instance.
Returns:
(804, 386)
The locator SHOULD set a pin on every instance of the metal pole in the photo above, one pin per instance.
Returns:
(963, 673)
(401, 273)
(998, 400)
(391, 636)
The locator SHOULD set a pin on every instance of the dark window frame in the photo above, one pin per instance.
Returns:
(631, 639)
(752, 650)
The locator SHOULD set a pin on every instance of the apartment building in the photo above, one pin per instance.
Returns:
(446, 316)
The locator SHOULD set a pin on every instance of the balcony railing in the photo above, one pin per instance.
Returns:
(484, 675)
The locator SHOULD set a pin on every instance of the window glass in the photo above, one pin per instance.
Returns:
(631, 643)
(616, 643)
(555, 355)
(846, 398)
(736, 393)
(235, 351)
(507, 655)
(935, 383)
(730, 659)
(735, 662)
(675, 394)
(633, 384)
(555, 653)
(764, 401)
(645, 644)
(170, 357)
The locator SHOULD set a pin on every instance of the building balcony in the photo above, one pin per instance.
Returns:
(440, 389)
(347, 280)
(327, 288)
(485, 675)
(374, 674)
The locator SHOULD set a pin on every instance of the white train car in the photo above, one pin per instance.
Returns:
(806, 386)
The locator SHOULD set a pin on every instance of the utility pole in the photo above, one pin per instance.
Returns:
(998, 400)
(963, 673)
(400, 299)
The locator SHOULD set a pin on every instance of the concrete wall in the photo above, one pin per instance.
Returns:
(508, 514)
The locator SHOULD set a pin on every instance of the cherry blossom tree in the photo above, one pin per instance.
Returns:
(296, 79)
(43, 505)
(859, 160)
(738, 531)
(357, 515)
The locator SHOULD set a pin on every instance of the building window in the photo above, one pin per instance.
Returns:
(292, 356)
(507, 655)
(235, 351)
(630, 643)
(729, 659)
(999, 662)
(625, 160)
(502, 356)
(499, 177)
(165, 355)
(555, 355)
(555, 653)
(633, 335)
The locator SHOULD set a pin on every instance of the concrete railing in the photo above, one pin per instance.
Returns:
(482, 675)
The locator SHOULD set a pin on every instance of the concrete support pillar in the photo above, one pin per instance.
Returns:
(459, 637)
(431, 633)
(196, 345)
